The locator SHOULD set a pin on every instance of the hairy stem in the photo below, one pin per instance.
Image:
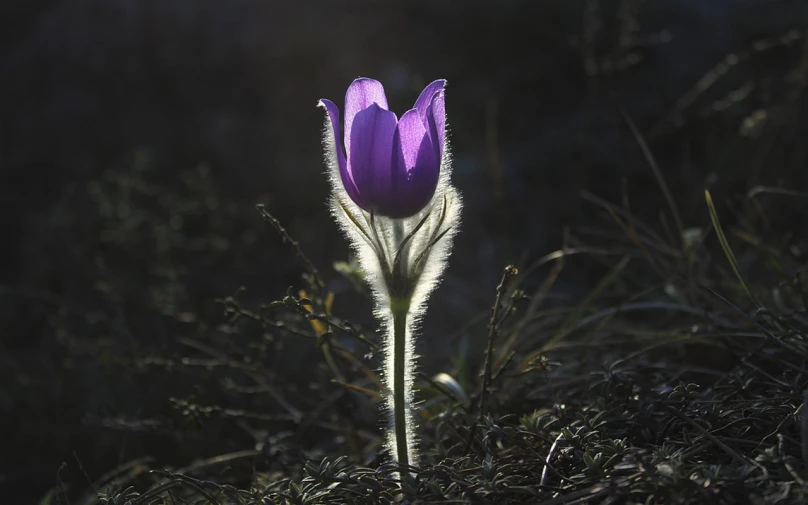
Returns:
(400, 309)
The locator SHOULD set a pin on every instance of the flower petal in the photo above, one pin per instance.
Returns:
(333, 116)
(361, 94)
(371, 151)
(410, 133)
(436, 122)
(415, 167)
(333, 140)
(425, 98)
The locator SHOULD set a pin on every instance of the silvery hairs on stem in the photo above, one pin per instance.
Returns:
(392, 197)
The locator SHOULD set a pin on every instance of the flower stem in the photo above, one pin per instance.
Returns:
(400, 309)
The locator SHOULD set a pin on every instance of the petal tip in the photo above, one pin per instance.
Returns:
(368, 80)
(426, 97)
(438, 95)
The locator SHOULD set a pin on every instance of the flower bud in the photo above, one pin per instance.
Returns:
(389, 166)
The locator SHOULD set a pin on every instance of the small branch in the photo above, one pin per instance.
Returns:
(314, 278)
(493, 329)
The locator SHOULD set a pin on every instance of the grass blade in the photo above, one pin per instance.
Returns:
(722, 238)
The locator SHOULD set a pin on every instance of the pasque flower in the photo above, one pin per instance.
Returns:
(389, 166)
(393, 198)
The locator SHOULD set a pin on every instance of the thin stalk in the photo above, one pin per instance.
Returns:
(332, 364)
(719, 231)
(400, 308)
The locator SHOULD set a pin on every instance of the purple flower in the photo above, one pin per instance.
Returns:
(390, 166)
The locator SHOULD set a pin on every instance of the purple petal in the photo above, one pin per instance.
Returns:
(436, 121)
(333, 116)
(425, 98)
(361, 94)
(410, 134)
(370, 155)
(415, 167)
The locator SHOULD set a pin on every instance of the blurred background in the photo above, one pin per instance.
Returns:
(137, 136)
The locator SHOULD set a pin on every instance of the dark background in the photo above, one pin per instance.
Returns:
(136, 137)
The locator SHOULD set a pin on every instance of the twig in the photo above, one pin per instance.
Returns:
(493, 330)
(316, 284)
(314, 277)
